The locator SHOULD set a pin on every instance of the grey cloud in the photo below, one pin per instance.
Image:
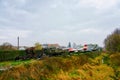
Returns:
(58, 21)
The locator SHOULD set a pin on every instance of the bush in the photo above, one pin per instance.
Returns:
(18, 54)
(115, 59)
(115, 63)
(10, 55)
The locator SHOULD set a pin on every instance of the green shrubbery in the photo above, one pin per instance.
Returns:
(6, 55)
(74, 67)
(10, 55)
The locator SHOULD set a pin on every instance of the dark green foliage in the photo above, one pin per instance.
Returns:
(18, 54)
(112, 42)
(10, 55)
(53, 52)
(106, 60)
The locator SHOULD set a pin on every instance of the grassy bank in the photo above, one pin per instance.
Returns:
(75, 67)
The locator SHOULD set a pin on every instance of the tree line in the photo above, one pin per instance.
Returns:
(8, 46)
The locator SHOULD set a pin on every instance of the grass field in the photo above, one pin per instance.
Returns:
(74, 67)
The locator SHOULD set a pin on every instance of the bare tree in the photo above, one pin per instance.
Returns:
(7, 46)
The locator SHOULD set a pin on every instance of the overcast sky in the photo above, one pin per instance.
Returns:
(58, 21)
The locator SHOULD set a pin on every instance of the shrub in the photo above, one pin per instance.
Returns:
(10, 55)
(115, 59)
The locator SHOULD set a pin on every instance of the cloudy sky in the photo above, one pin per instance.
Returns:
(58, 21)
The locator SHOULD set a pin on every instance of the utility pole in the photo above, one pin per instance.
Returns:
(18, 42)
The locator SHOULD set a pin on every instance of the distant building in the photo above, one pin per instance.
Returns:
(45, 45)
(22, 47)
(69, 45)
(50, 45)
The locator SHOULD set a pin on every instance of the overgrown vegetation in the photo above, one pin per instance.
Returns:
(6, 55)
(112, 42)
(10, 55)
(75, 67)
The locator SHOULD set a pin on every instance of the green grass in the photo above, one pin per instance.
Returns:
(14, 63)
